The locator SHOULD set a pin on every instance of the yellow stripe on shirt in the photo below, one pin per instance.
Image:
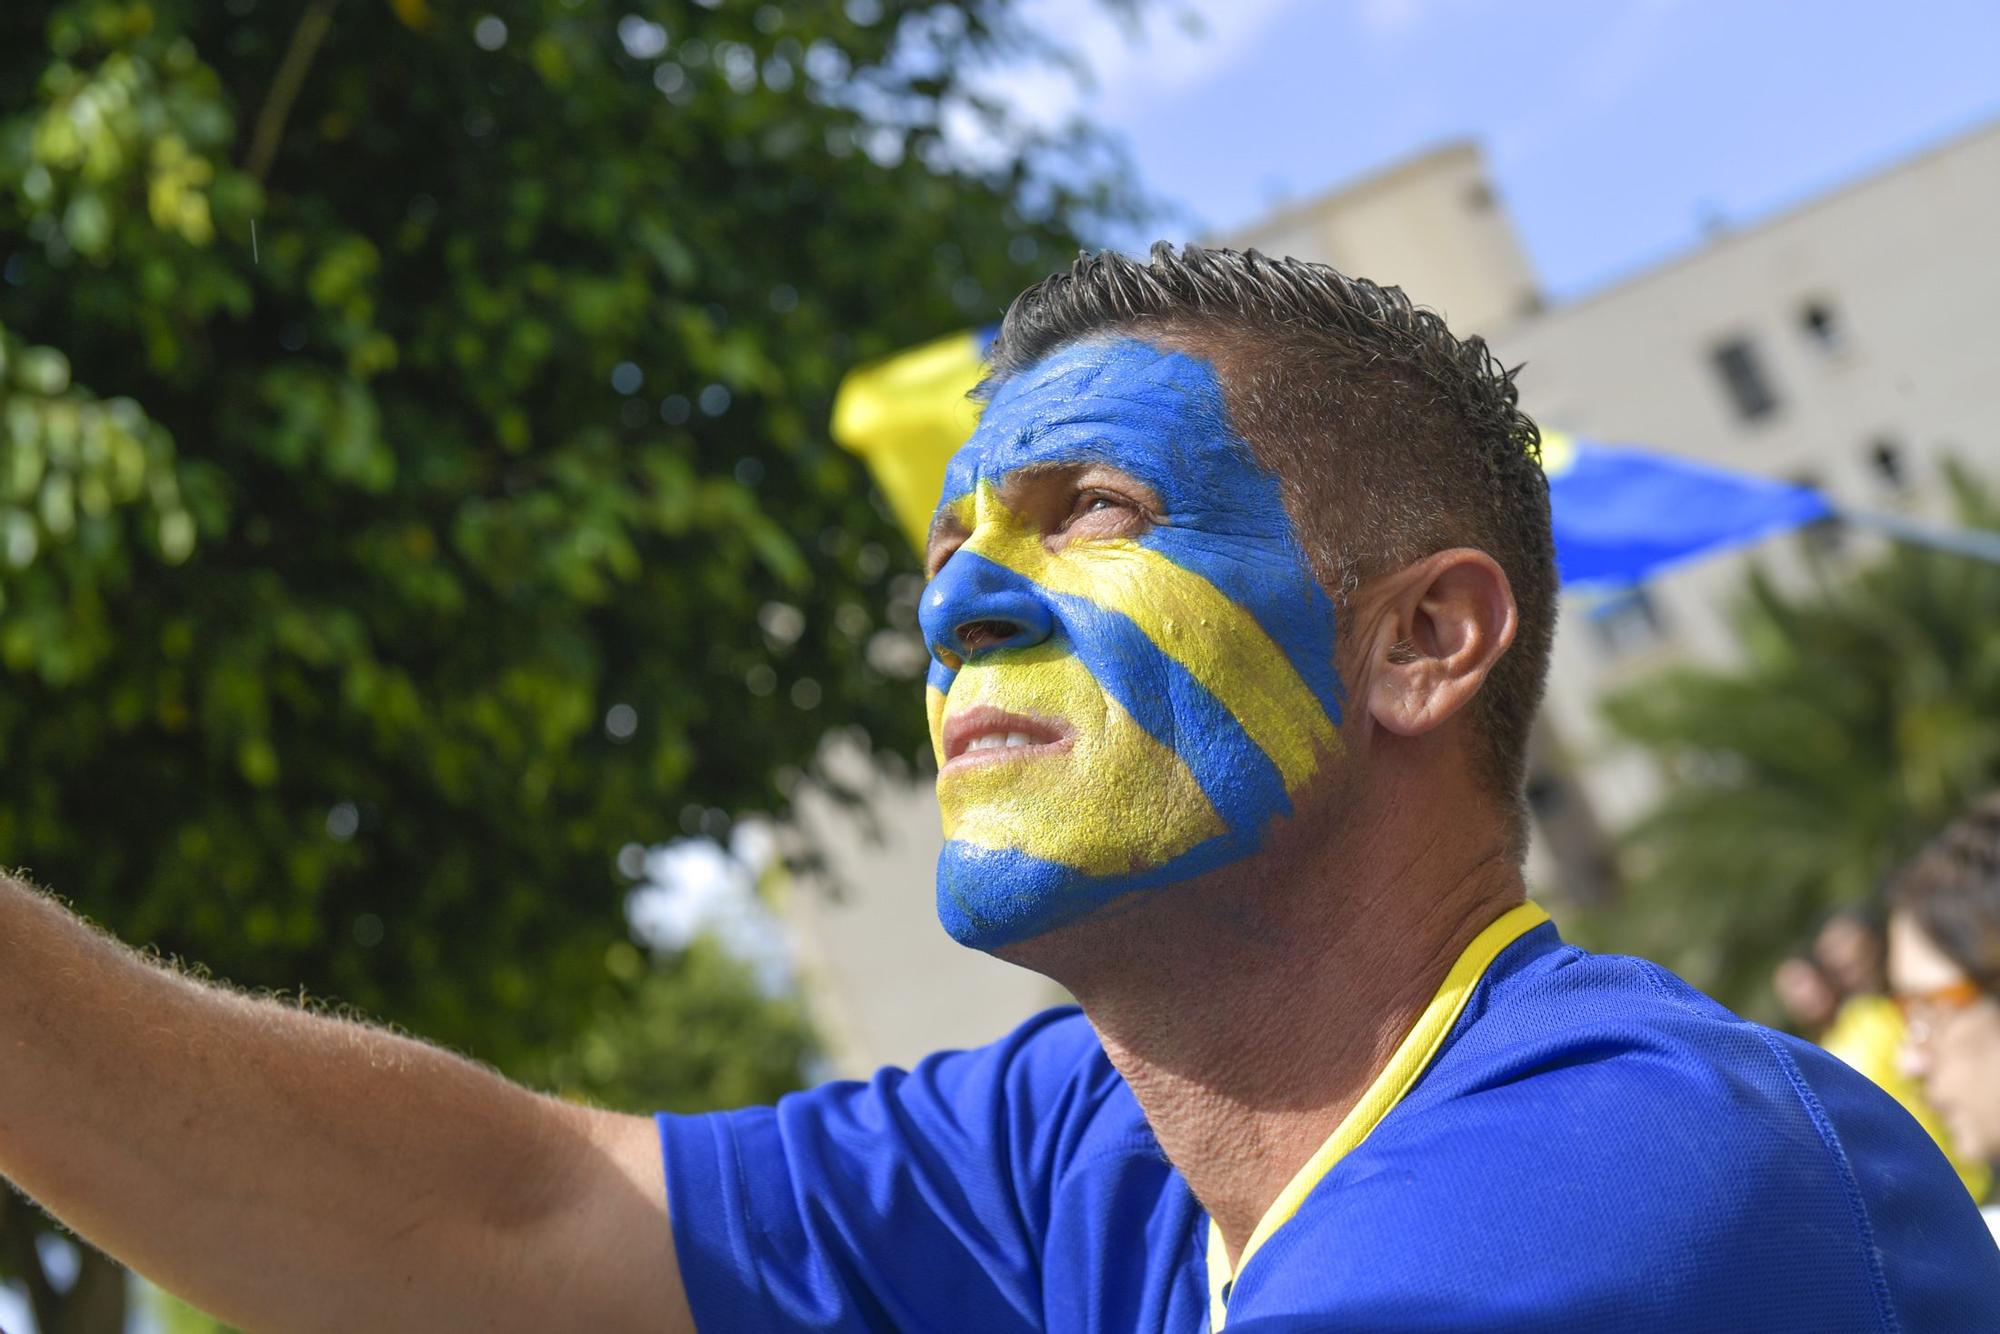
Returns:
(1412, 1057)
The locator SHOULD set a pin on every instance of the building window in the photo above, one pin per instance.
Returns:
(1885, 455)
(1626, 622)
(1743, 376)
(1479, 197)
(1820, 323)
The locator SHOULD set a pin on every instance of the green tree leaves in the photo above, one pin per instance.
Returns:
(391, 403)
(1866, 712)
(86, 486)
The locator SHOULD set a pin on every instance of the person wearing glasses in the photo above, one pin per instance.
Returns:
(1944, 969)
(1868, 1029)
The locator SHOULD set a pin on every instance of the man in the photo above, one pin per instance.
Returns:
(1944, 965)
(1241, 602)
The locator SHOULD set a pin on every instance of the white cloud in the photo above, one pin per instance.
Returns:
(1163, 54)
(695, 887)
(1214, 35)
(1597, 78)
(1390, 17)
(13, 1307)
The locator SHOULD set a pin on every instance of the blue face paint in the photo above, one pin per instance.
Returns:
(1185, 674)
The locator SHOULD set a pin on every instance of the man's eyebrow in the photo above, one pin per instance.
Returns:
(1006, 478)
(1043, 468)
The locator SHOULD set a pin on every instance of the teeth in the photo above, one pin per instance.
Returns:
(997, 741)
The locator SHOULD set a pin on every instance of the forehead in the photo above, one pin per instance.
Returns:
(1156, 413)
(1915, 961)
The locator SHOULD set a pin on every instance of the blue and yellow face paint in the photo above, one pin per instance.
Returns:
(1179, 679)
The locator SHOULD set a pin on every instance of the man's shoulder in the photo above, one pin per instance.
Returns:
(1618, 1017)
(1594, 1122)
(1618, 1051)
(1562, 1012)
(1050, 1055)
(1047, 1083)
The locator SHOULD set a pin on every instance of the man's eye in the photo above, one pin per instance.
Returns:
(1092, 501)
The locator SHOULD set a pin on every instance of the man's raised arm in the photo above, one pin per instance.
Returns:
(292, 1172)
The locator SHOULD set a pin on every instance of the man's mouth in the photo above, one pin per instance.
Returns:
(984, 735)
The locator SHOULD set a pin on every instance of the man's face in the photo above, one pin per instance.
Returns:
(1132, 665)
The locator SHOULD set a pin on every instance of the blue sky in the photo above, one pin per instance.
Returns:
(1612, 129)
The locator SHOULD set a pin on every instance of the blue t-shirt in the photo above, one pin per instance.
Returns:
(1581, 1142)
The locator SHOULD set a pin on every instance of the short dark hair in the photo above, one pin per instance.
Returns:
(1391, 437)
(1952, 891)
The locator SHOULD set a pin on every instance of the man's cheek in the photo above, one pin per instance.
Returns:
(934, 710)
(1117, 800)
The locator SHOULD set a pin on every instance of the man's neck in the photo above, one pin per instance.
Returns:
(1251, 1011)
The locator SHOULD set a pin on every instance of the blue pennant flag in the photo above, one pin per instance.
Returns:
(1622, 515)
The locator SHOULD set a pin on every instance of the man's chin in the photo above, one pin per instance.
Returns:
(993, 898)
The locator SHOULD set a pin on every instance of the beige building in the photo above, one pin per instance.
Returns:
(1430, 224)
(1848, 342)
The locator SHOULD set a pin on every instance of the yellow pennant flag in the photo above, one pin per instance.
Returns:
(907, 414)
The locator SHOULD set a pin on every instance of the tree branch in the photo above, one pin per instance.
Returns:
(277, 109)
(18, 1225)
(96, 1302)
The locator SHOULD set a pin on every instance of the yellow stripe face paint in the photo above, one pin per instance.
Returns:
(1112, 802)
(1130, 683)
(934, 710)
(1186, 617)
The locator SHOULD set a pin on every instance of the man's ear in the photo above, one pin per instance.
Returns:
(1439, 627)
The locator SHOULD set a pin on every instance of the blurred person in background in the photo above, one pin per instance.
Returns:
(1805, 995)
(1944, 964)
(1240, 608)
(1867, 1029)
(1850, 948)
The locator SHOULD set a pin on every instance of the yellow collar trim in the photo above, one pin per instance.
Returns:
(1410, 1060)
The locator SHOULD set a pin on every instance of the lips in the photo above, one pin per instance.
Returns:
(984, 735)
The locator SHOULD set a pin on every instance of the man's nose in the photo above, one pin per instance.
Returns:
(974, 606)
